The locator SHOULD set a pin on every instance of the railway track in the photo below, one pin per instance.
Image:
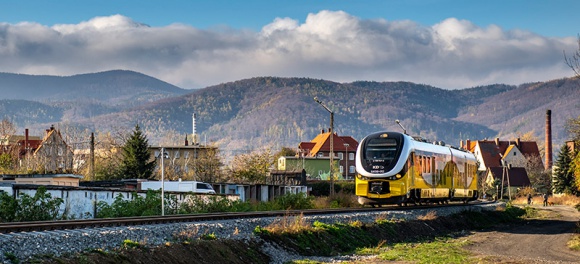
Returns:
(15, 227)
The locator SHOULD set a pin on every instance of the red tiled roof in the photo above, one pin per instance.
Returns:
(491, 150)
(517, 176)
(321, 143)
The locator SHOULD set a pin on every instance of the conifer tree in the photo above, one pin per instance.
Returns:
(563, 177)
(136, 164)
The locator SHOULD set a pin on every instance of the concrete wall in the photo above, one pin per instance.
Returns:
(81, 203)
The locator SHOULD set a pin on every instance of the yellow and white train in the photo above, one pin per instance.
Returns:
(394, 168)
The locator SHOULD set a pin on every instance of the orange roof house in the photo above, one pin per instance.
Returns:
(344, 149)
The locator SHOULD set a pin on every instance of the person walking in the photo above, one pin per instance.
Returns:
(545, 199)
(529, 198)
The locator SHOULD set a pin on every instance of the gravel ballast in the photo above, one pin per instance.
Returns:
(26, 245)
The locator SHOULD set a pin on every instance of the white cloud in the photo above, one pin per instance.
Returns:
(329, 45)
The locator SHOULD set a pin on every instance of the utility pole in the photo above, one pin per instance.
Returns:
(331, 145)
(346, 160)
(92, 158)
(162, 182)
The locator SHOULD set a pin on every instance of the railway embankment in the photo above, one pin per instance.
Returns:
(225, 239)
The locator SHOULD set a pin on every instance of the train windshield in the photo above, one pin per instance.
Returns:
(381, 152)
(382, 148)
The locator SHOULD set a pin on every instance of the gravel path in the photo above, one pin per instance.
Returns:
(537, 241)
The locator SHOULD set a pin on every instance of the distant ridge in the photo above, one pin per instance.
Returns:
(116, 87)
(261, 112)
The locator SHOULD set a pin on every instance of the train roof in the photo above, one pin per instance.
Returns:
(435, 146)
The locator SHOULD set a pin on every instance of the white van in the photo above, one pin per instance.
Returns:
(178, 186)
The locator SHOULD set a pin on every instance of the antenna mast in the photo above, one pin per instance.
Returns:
(399, 123)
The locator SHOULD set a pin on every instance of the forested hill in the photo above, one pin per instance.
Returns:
(114, 88)
(274, 112)
(269, 111)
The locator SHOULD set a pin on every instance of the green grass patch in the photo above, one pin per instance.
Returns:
(442, 250)
(128, 243)
(574, 243)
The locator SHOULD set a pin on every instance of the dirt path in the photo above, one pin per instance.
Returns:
(541, 240)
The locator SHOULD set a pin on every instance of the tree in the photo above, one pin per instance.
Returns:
(574, 61)
(252, 167)
(108, 157)
(206, 166)
(136, 162)
(573, 128)
(563, 177)
(284, 152)
(7, 128)
(576, 172)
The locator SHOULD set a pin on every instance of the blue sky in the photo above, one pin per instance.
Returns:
(549, 18)
(192, 44)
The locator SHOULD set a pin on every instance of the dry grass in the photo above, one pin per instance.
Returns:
(564, 199)
(500, 208)
(340, 199)
(431, 215)
(321, 202)
(288, 224)
(187, 235)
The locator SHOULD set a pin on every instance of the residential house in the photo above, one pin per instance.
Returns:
(21, 145)
(191, 162)
(514, 178)
(53, 154)
(344, 149)
(315, 168)
(497, 153)
(497, 157)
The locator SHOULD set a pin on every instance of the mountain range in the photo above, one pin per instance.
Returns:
(275, 112)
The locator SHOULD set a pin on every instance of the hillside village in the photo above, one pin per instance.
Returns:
(506, 167)
(286, 152)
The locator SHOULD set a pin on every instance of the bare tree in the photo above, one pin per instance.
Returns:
(7, 128)
(107, 155)
(574, 61)
(252, 167)
(206, 165)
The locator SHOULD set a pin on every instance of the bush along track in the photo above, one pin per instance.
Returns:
(309, 241)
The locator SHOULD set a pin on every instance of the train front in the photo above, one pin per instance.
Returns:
(381, 165)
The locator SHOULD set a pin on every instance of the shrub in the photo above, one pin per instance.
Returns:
(292, 201)
(128, 243)
(137, 206)
(40, 207)
(322, 188)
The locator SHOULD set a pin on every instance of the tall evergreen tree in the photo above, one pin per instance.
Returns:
(136, 164)
(563, 175)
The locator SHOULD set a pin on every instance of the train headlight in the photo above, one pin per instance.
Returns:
(398, 176)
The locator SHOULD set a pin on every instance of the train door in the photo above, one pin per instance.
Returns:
(411, 166)
(436, 181)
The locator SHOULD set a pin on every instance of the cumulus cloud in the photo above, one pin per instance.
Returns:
(331, 45)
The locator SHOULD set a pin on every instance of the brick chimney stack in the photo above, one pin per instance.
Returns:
(548, 164)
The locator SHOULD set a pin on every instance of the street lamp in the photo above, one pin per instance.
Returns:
(331, 144)
(346, 160)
